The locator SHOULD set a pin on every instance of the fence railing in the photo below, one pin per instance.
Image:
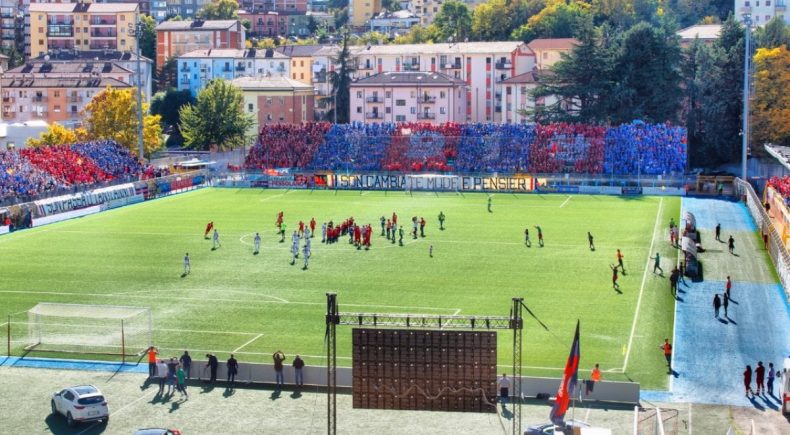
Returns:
(776, 248)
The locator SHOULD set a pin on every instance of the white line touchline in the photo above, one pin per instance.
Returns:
(565, 202)
(642, 287)
(248, 342)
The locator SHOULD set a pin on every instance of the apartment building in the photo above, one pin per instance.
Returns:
(81, 26)
(293, 6)
(174, 38)
(276, 100)
(197, 68)
(265, 24)
(11, 23)
(301, 61)
(51, 99)
(408, 96)
(361, 11)
(550, 51)
(762, 11)
(186, 9)
(393, 23)
(481, 65)
(123, 59)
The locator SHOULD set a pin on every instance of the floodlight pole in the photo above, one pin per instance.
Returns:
(517, 324)
(136, 30)
(747, 20)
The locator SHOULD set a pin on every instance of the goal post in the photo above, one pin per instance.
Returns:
(89, 329)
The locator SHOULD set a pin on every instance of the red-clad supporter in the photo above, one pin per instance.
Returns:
(286, 145)
(782, 185)
(66, 165)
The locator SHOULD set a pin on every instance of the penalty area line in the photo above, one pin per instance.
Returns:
(642, 287)
(247, 343)
(565, 202)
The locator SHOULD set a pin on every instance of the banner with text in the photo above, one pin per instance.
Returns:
(66, 203)
(466, 183)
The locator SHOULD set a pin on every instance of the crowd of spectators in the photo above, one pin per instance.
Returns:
(639, 148)
(33, 172)
(355, 146)
(65, 165)
(286, 145)
(782, 185)
(111, 157)
(20, 179)
(629, 149)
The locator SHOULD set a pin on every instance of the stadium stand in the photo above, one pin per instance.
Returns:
(629, 149)
(35, 172)
(781, 184)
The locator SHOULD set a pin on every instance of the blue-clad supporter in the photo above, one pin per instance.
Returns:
(111, 157)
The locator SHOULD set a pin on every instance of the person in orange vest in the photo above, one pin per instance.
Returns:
(667, 348)
(152, 352)
(595, 376)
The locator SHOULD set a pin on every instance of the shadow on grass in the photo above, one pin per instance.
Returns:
(58, 425)
(275, 395)
(296, 394)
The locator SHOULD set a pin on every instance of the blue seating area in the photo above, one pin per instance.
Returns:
(110, 157)
(629, 149)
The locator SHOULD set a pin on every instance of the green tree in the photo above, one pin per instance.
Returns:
(581, 83)
(166, 75)
(557, 20)
(696, 58)
(773, 34)
(419, 35)
(370, 38)
(453, 21)
(167, 105)
(391, 5)
(720, 85)
(15, 58)
(112, 115)
(491, 22)
(148, 37)
(648, 79)
(340, 79)
(219, 10)
(217, 118)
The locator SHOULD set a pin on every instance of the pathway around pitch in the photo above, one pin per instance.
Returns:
(711, 354)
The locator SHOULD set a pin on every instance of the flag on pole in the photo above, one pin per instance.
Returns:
(568, 383)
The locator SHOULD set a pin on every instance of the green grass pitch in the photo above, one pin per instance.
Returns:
(254, 305)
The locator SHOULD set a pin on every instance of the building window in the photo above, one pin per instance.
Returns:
(268, 101)
(41, 42)
(56, 108)
(400, 118)
(523, 90)
(400, 103)
(73, 109)
(442, 110)
(359, 109)
(123, 17)
(249, 107)
(508, 90)
(388, 110)
(442, 95)
(359, 94)
(56, 94)
(388, 94)
(301, 75)
(301, 63)
(413, 110)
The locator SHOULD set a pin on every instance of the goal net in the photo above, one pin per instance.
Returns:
(89, 329)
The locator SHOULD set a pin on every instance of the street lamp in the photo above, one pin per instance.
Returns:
(747, 20)
(136, 30)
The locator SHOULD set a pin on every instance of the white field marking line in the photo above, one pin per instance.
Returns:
(587, 415)
(690, 433)
(114, 413)
(276, 196)
(454, 314)
(565, 202)
(248, 342)
(279, 301)
(642, 287)
(208, 331)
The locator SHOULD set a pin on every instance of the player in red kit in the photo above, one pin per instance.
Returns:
(367, 237)
(209, 226)
(301, 228)
(394, 219)
(312, 227)
(279, 221)
(357, 236)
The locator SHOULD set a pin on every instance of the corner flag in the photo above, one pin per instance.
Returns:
(568, 383)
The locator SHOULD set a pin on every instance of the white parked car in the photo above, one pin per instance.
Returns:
(81, 404)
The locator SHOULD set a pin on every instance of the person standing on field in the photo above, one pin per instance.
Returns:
(187, 265)
(667, 348)
(771, 377)
(526, 238)
(441, 220)
(256, 242)
(489, 204)
(152, 352)
(590, 241)
(216, 239)
(400, 235)
(657, 264)
(298, 365)
(747, 380)
(728, 287)
(181, 386)
(718, 232)
(716, 305)
(540, 235)
(383, 224)
(619, 257)
(726, 304)
(615, 285)
(212, 364)
(731, 245)
(759, 374)
(595, 376)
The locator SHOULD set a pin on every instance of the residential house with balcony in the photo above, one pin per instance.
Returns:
(289, 6)
(51, 99)
(762, 11)
(322, 67)
(408, 96)
(517, 103)
(276, 100)
(301, 61)
(92, 61)
(174, 38)
(186, 9)
(265, 24)
(196, 68)
(56, 27)
(361, 11)
(480, 65)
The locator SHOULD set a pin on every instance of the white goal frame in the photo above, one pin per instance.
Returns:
(89, 329)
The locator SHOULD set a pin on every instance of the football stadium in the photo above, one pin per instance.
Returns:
(430, 278)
